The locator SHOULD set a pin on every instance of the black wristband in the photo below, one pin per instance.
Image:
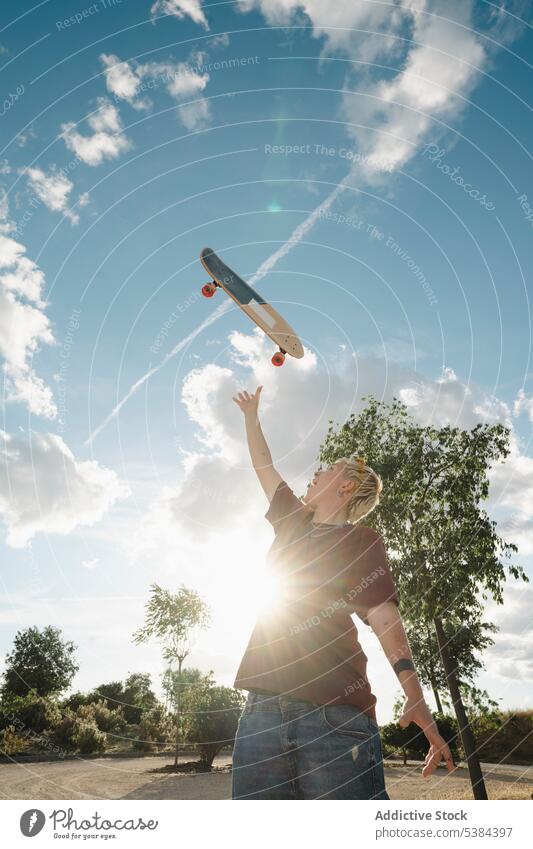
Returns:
(403, 663)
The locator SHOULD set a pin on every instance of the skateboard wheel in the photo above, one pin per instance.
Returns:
(209, 290)
(278, 359)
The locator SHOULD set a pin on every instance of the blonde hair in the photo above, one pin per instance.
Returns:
(367, 493)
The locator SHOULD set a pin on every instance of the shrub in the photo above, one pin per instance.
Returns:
(505, 737)
(88, 738)
(65, 731)
(98, 712)
(412, 742)
(155, 728)
(12, 743)
(210, 717)
(31, 714)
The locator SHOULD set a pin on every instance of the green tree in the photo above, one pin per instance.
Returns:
(466, 641)
(444, 550)
(174, 620)
(172, 683)
(134, 696)
(210, 717)
(41, 662)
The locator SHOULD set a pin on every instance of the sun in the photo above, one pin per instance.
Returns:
(268, 593)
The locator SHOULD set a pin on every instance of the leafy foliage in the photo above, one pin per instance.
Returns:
(155, 730)
(211, 714)
(40, 662)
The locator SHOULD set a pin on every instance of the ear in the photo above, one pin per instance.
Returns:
(349, 487)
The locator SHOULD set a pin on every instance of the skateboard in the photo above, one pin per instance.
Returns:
(255, 307)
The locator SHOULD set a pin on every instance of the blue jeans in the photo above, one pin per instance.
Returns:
(287, 748)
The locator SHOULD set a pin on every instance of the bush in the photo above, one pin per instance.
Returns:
(65, 731)
(12, 743)
(98, 712)
(75, 700)
(505, 737)
(31, 714)
(155, 729)
(210, 717)
(411, 741)
(88, 738)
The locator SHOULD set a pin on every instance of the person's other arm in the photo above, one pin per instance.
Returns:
(386, 622)
(269, 477)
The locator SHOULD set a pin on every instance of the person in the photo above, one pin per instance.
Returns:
(308, 729)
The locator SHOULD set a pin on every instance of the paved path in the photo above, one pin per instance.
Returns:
(134, 778)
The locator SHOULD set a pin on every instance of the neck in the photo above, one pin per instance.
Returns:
(324, 515)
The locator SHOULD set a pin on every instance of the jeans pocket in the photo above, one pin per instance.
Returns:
(346, 719)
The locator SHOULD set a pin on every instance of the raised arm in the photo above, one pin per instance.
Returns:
(386, 622)
(269, 478)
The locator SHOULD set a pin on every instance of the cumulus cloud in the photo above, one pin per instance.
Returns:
(53, 189)
(195, 116)
(523, 404)
(24, 326)
(106, 142)
(182, 80)
(308, 395)
(439, 56)
(44, 488)
(367, 30)
(181, 9)
(122, 80)
(439, 72)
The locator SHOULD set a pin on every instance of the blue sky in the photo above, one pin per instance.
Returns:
(134, 135)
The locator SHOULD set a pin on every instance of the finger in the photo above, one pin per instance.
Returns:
(258, 390)
(448, 760)
(246, 395)
(432, 761)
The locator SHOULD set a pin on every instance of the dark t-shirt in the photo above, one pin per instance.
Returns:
(307, 646)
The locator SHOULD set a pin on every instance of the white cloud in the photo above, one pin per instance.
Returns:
(107, 140)
(181, 9)
(182, 80)
(90, 564)
(361, 29)
(440, 70)
(195, 116)
(309, 396)
(440, 56)
(4, 205)
(53, 189)
(523, 403)
(122, 80)
(23, 327)
(44, 488)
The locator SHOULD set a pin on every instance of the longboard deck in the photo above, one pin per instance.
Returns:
(251, 302)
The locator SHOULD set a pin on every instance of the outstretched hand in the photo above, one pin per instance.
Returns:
(248, 403)
(419, 713)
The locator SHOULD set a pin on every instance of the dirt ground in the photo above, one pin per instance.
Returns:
(135, 778)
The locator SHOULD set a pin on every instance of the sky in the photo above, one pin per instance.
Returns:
(366, 165)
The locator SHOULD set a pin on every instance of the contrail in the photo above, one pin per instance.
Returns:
(296, 236)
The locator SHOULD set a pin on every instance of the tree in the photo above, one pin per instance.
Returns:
(173, 682)
(210, 717)
(174, 619)
(41, 662)
(443, 547)
(466, 640)
(135, 696)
